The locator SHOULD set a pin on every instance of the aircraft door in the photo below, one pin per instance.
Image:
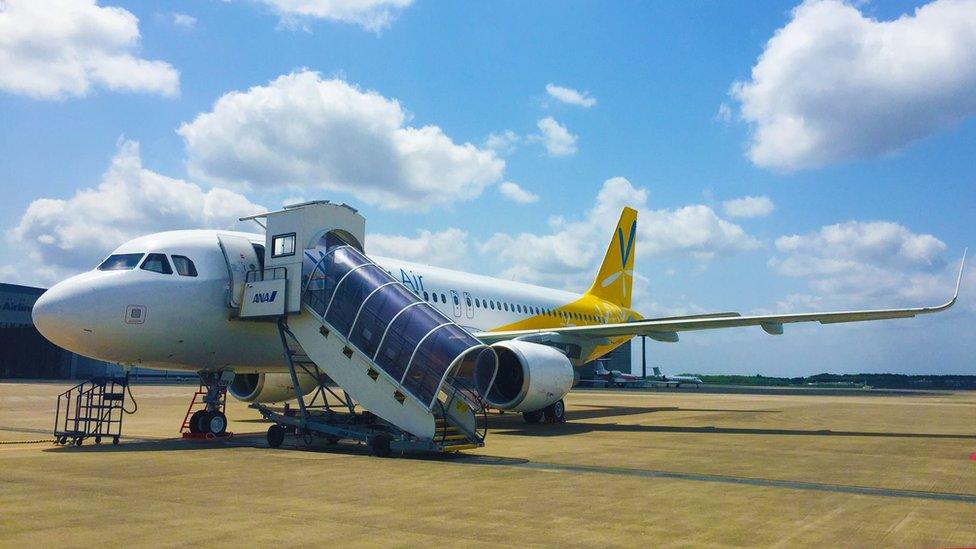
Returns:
(468, 305)
(457, 303)
(241, 258)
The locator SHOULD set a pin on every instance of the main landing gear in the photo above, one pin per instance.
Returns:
(554, 413)
(210, 421)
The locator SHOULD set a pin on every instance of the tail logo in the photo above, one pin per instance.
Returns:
(625, 250)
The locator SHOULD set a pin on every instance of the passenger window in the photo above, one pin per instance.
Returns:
(184, 265)
(157, 263)
(443, 299)
(282, 245)
(120, 262)
(467, 300)
(506, 306)
(456, 302)
(426, 296)
(491, 304)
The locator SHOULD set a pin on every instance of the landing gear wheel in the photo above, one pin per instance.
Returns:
(215, 424)
(380, 445)
(556, 412)
(276, 435)
(195, 427)
(532, 417)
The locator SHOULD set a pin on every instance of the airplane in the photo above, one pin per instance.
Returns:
(615, 378)
(161, 301)
(677, 381)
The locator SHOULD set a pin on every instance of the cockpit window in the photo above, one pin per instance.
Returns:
(184, 265)
(120, 262)
(157, 263)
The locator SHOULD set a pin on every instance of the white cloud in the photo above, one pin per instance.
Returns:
(858, 262)
(834, 85)
(503, 143)
(556, 138)
(748, 206)
(371, 15)
(185, 21)
(515, 193)
(64, 48)
(570, 96)
(724, 113)
(447, 248)
(304, 133)
(62, 237)
(569, 254)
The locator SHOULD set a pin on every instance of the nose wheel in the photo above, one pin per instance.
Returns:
(209, 422)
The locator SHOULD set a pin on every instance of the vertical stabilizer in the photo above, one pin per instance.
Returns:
(615, 280)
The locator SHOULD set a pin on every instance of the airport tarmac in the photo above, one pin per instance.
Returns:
(630, 468)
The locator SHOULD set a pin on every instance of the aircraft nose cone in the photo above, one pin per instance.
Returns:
(60, 316)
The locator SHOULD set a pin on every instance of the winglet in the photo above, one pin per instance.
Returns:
(962, 267)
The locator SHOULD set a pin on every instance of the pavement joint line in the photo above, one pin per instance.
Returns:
(747, 481)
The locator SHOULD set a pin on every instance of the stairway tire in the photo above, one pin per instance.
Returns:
(276, 436)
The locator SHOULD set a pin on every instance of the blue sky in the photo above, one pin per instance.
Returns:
(865, 153)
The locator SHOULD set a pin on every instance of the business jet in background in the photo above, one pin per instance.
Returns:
(161, 301)
(674, 381)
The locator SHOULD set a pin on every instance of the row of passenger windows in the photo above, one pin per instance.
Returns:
(513, 307)
(157, 263)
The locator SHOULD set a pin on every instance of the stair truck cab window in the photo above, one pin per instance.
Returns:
(283, 245)
(120, 262)
(184, 265)
(157, 263)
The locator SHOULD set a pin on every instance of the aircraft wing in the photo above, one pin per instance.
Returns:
(667, 329)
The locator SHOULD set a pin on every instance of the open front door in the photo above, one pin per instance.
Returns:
(241, 258)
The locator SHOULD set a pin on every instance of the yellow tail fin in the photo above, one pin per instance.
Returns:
(615, 280)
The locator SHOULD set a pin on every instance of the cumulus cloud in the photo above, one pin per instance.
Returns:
(569, 253)
(515, 193)
(64, 48)
(556, 138)
(570, 96)
(371, 15)
(447, 248)
(834, 85)
(64, 236)
(748, 206)
(303, 133)
(861, 262)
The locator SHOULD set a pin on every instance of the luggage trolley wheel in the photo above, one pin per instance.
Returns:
(78, 441)
(380, 445)
(115, 441)
(98, 440)
(276, 435)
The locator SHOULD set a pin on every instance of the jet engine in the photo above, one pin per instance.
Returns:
(530, 376)
(269, 387)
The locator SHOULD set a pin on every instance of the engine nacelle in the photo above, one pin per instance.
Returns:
(269, 387)
(530, 376)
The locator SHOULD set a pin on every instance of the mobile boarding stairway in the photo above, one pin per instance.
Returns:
(419, 377)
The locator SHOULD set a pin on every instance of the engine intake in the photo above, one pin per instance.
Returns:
(269, 387)
(530, 376)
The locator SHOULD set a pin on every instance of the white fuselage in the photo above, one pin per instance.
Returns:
(186, 323)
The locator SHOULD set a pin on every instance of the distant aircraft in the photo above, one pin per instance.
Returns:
(169, 300)
(676, 381)
(615, 378)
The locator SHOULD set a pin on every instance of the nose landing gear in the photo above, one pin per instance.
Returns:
(209, 421)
